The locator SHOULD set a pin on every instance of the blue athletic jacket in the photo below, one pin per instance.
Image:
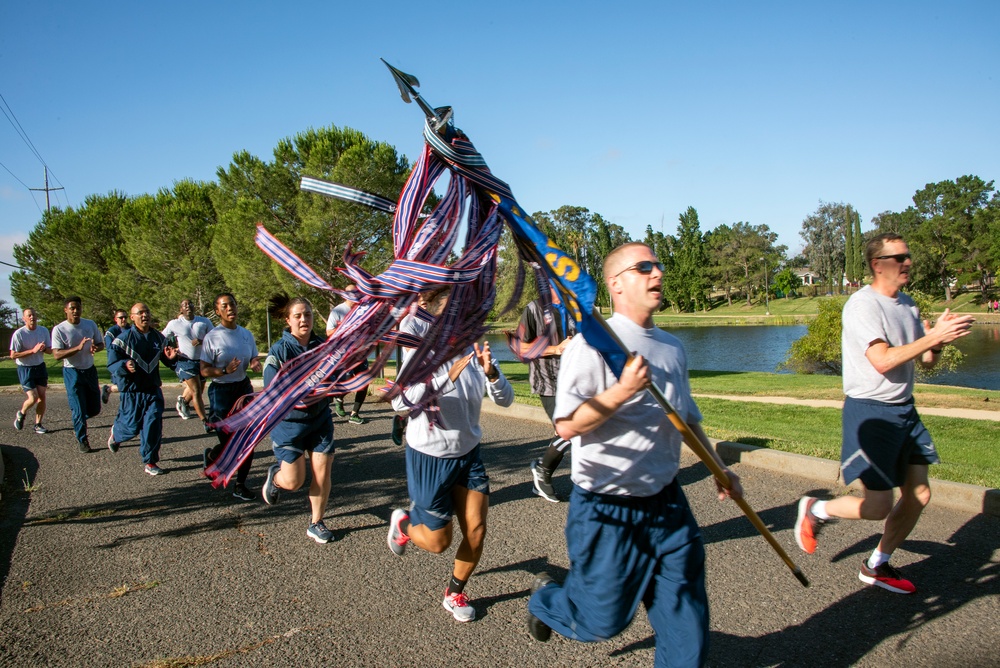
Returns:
(285, 349)
(146, 351)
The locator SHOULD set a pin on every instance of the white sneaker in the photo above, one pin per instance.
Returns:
(458, 606)
(183, 409)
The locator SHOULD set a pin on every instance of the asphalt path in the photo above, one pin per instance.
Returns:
(103, 565)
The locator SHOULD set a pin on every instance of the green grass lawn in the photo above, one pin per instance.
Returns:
(968, 448)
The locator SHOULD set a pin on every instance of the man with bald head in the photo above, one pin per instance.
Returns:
(630, 534)
(135, 356)
(27, 348)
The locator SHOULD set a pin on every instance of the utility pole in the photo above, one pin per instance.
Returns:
(48, 206)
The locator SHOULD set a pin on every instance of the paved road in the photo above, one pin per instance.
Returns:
(105, 566)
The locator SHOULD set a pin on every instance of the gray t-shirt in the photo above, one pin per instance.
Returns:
(636, 452)
(26, 339)
(185, 330)
(870, 316)
(338, 313)
(65, 335)
(222, 345)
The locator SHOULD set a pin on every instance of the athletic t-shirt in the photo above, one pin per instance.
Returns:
(185, 330)
(222, 345)
(869, 316)
(544, 371)
(26, 339)
(338, 313)
(65, 335)
(636, 452)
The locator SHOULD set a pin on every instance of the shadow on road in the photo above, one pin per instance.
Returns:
(21, 469)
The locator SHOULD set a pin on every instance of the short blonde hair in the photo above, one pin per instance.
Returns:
(612, 258)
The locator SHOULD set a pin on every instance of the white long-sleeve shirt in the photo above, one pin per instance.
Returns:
(460, 403)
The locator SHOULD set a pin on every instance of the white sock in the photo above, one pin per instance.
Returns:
(878, 558)
(819, 510)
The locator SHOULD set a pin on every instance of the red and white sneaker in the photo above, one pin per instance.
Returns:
(458, 606)
(886, 577)
(397, 538)
(807, 525)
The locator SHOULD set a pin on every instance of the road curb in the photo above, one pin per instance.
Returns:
(973, 499)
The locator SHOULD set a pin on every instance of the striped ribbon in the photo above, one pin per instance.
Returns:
(422, 247)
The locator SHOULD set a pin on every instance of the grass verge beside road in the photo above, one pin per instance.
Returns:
(968, 448)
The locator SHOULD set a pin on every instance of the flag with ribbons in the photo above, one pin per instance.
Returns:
(475, 200)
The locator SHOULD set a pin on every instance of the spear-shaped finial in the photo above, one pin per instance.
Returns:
(438, 117)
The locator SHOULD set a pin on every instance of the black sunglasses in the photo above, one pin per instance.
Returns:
(645, 268)
(898, 257)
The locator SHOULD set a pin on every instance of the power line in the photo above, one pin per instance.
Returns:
(19, 129)
(16, 124)
(23, 184)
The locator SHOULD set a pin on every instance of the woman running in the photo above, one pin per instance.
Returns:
(226, 354)
(309, 429)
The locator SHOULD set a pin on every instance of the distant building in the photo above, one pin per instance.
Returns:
(806, 275)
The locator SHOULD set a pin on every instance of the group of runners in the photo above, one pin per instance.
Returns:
(631, 537)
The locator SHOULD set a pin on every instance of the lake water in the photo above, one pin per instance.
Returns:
(764, 347)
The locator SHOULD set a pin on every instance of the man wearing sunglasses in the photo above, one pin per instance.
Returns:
(885, 445)
(630, 534)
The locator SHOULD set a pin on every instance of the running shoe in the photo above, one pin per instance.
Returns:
(183, 409)
(886, 577)
(458, 606)
(397, 538)
(19, 421)
(153, 469)
(39, 429)
(357, 419)
(538, 629)
(105, 393)
(338, 408)
(242, 492)
(270, 491)
(541, 481)
(398, 427)
(319, 533)
(807, 525)
(84, 445)
(112, 443)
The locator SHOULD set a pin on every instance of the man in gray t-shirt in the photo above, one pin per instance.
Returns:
(630, 534)
(74, 341)
(885, 445)
(28, 346)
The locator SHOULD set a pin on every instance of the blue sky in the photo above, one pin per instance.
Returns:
(750, 112)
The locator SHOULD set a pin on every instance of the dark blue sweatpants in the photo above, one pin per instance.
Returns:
(141, 413)
(221, 399)
(84, 397)
(624, 550)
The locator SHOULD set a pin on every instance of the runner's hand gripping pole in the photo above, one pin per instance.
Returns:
(701, 449)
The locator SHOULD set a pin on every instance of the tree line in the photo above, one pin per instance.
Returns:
(196, 239)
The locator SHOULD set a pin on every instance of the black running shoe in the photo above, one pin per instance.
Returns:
(398, 428)
(538, 629)
(270, 491)
(242, 492)
(84, 445)
(541, 481)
